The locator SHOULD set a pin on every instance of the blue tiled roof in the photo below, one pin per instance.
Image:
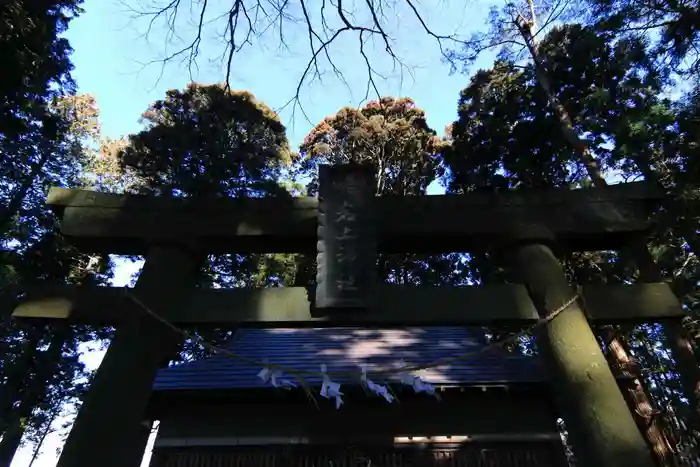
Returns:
(344, 349)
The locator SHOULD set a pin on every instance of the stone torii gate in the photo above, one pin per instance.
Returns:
(349, 225)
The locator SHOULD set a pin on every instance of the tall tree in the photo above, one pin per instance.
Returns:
(393, 136)
(517, 25)
(390, 134)
(210, 142)
(42, 376)
(37, 72)
(37, 379)
(43, 129)
(503, 136)
(36, 58)
(672, 26)
(53, 154)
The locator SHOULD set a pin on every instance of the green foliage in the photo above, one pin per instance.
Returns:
(36, 74)
(672, 26)
(392, 135)
(508, 136)
(507, 129)
(36, 60)
(45, 130)
(40, 363)
(209, 141)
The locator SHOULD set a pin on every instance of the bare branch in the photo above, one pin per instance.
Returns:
(370, 71)
(439, 38)
(248, 21)
(504, 32)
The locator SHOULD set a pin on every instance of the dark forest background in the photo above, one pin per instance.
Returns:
(605, 92)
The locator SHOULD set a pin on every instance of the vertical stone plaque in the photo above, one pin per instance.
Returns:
(346, 247)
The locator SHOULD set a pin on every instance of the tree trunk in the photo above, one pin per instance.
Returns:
(44, 434)
(17, 374)
(45, 367)
(647, 419)
(638, 251)
(10, 442)
(15, 203)
(678, 338)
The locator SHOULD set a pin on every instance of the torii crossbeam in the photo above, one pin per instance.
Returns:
(348, 225)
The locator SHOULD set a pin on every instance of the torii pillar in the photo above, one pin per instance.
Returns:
(109, 429)
(601, 428)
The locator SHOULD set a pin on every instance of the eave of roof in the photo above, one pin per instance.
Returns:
(345, 349)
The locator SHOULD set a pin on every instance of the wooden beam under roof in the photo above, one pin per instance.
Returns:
(585, 219)
(394, 306)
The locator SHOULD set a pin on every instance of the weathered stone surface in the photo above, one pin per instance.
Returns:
(108, 430)
(393, 304)
(588, 219)
(600, 426)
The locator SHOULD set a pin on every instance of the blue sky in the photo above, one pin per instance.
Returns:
(111, 52)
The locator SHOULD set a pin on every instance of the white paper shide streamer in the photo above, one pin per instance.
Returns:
(378, 389)
(330, 389)
(274, 376)
(417, 383)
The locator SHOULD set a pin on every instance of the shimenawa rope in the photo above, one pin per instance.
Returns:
(299, 374)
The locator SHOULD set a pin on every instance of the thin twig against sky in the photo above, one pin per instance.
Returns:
(322, 33)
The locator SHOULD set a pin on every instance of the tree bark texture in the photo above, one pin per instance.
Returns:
(40, 373)
(649, 422)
